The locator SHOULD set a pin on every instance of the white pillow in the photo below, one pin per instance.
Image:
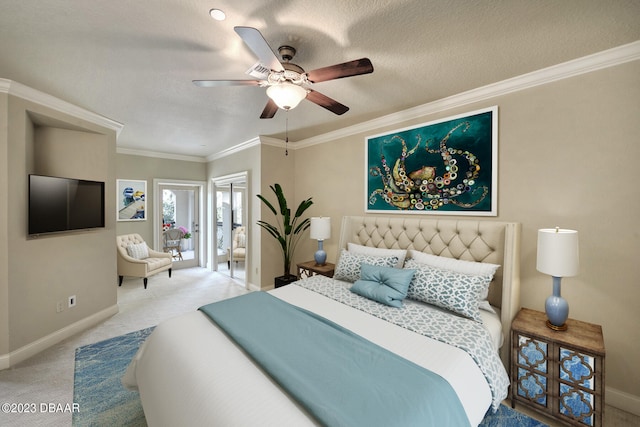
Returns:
(401, 254)
(138, 251)
(459, 266)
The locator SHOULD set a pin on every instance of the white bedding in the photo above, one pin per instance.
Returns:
(225, 388)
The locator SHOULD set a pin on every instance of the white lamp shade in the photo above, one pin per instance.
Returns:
(558, 252)
(286, 95)
(320, 227)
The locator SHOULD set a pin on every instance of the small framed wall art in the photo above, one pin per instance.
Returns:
(446, 167)
(131, 200)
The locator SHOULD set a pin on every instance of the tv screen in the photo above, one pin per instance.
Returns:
(64, 204)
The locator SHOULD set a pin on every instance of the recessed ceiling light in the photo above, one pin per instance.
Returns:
(217, 14)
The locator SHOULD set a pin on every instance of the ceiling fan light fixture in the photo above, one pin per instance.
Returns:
(217, 14)
(286, 95)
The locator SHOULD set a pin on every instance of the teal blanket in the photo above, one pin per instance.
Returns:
(340, 378)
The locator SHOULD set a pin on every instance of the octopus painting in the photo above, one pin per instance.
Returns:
(440, 167)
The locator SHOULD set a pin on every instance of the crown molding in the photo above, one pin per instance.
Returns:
(608, 58)
(159, 155)
(25, 92)
(274, 142)
(235, 149)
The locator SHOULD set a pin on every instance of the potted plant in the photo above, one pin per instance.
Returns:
(287, 231)
(185, 244)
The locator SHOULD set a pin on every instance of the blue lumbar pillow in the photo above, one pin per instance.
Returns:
(386, 285)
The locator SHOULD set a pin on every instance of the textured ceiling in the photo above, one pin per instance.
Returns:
(133, 61)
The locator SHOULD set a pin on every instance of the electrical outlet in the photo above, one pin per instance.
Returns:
(72, 301)
(60, 307)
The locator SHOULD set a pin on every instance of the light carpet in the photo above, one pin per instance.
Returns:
(103, 400)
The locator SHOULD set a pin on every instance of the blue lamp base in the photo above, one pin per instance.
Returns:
(557, 308)
(320, 256)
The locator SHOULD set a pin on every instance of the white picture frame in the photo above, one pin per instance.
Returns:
(131, 200)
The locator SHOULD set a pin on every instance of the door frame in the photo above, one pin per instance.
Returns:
(213, 229)
(202, 224)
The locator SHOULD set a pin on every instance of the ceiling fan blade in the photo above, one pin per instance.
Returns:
(256, 42)
(326, 102)
(269, 110)
(220, 83)
(338, 71)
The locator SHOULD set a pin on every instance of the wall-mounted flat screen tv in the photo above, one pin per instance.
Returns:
(64, 204)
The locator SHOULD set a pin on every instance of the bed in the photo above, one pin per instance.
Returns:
(191, 372)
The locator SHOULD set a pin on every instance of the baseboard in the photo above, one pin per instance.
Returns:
(252, 287)
(29, 350)
(622, 400)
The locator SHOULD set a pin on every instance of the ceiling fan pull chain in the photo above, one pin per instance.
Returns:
(286, 132)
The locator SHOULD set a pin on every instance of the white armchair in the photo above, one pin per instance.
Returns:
(238, 245)
(136, 259)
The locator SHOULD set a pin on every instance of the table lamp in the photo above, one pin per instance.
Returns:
(320, 230)
(558, 257)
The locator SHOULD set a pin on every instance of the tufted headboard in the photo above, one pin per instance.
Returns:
(471, 240)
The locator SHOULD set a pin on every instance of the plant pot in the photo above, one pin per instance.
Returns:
(185, 244)
(285, 280)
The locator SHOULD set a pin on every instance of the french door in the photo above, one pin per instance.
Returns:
(178, 207)
(231, 251)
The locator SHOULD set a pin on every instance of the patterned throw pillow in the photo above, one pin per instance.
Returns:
(448, 289)
(385, 285)
(138, 251)
(349, 264)
(459, 266)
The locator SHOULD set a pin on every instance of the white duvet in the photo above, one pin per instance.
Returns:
(189, 373)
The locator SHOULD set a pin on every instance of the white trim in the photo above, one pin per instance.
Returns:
(622, 400)
(202, 213)
(156, 154)
(253, 287)
(230, 179)
(17, 89)
(274, 142)
(235, 149)
(608, 58)
(31, 349)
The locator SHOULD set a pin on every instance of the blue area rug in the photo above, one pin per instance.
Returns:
(104, 401)
(507, 417)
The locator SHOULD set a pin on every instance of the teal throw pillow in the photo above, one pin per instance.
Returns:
(386, 285)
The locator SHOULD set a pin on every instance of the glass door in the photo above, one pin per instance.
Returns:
(180, 221)
(231, 251)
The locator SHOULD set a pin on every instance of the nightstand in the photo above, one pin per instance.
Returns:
(558, 373)
(309, 268)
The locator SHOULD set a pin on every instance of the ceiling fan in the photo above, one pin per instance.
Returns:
(287, 83)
